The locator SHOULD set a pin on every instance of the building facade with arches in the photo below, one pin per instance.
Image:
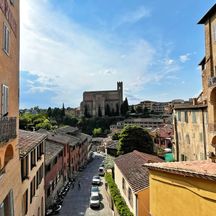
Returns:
(10, 180)
(195, 121)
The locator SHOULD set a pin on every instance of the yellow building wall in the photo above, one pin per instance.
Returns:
(181, 196)
(143, 202)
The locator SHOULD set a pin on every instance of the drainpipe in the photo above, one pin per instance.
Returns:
(136, 205)
(177, 140)
(204, 135)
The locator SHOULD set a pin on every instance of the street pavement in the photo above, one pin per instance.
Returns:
(76, 202)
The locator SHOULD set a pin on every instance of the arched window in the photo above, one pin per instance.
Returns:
(8, 154)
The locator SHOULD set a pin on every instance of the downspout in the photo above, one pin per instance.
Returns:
(136, 205)
(210, 49)
(176, 135)
(204, 134)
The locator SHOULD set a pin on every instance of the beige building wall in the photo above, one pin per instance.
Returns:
(209, 73)
(37, 206)
(9, 75)
(191, 134)
(124, 193)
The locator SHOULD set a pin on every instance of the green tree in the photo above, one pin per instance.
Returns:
(132, 109)
(139, 109)
(97, 132)
(49, 112)
(99, 112)
(124, 107)
(117, 110)
(134, 138)
(107, 110)
(115, 136)
(63, 111)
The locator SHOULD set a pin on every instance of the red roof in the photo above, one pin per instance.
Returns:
(199, 169)
(28, 140)
(131, 167)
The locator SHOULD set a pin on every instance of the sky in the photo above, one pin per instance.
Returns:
(71, 46)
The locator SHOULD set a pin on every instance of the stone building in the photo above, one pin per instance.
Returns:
(101, 103)
(195, 122)
(10, 181)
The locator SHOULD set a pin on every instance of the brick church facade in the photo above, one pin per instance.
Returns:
(102, 103)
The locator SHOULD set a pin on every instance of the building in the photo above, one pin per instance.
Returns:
(9, 109)
(31, 150)
(132, 179)
(153, 106)
(191, 132)
(182, 188)
(148, 123)
(208, 66)
(54, 178)
(101, 103)
(195, 122)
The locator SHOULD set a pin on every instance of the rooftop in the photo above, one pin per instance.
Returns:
(199, 169)
(52, 149)
(131, 166)
(209, 14)
(67, 130)
(28, 140)
(190, 106)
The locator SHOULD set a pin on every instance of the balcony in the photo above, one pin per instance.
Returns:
(7, 129)
(212, 81)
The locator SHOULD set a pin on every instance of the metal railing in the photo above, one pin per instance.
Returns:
(7, 129)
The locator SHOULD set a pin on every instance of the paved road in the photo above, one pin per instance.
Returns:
(76, 202)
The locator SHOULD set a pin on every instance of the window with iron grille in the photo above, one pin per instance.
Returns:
(4, 100)
(6, 38)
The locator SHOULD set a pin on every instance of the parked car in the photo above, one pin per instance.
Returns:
(95, 201)
(101, 171)
(94, 190)
(96, 180)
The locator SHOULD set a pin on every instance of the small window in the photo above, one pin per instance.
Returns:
(24, 167)
(33, 158)
(6, 35)
(32, 189)
(4, 100)
(179, 116)
(130, 196)
(214, 32)
(123, 183)
(194, 117)
(186, 116)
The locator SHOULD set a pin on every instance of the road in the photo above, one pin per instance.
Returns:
(76, 202)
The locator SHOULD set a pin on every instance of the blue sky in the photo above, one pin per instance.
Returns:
(72, 46)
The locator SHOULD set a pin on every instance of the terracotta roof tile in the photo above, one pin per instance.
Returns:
(28, 140)
(200, 169)
(131, 166)
(52, 149)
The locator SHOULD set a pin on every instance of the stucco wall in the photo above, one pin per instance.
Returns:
(174, 194)
(143, 202)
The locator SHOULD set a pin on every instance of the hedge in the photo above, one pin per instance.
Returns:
(119, 202)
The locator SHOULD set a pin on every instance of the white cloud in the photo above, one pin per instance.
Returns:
(135, 16)
(184, 58)
(70, 59)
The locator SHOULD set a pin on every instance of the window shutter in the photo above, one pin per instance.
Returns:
(4, 100)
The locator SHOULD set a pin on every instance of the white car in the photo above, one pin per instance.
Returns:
(96, 180)
(94, 191)
(101, 171)
(95, 201)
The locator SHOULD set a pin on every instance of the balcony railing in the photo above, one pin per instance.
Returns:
(212, 81)
(7, 129)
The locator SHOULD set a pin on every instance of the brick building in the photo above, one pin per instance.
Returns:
(10, 201)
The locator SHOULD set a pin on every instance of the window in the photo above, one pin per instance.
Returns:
(6, 34)
(214, 32)
(25, 202)
(41, 174)
(4, 101)
(123, 184)
(55, 160)
(7, 206)
(32, 189)
(186, 116)
(37, 179)
(130, 197)
(193, 117)
(38, 153)
(24, 167)
(183, 157)
(179, 115)
(33, 158)
(48, 167)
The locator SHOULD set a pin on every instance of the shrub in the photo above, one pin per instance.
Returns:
(119, 202)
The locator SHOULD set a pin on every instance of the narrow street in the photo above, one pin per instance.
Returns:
(76, 201)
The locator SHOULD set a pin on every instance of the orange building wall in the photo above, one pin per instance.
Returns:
(143, 202)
